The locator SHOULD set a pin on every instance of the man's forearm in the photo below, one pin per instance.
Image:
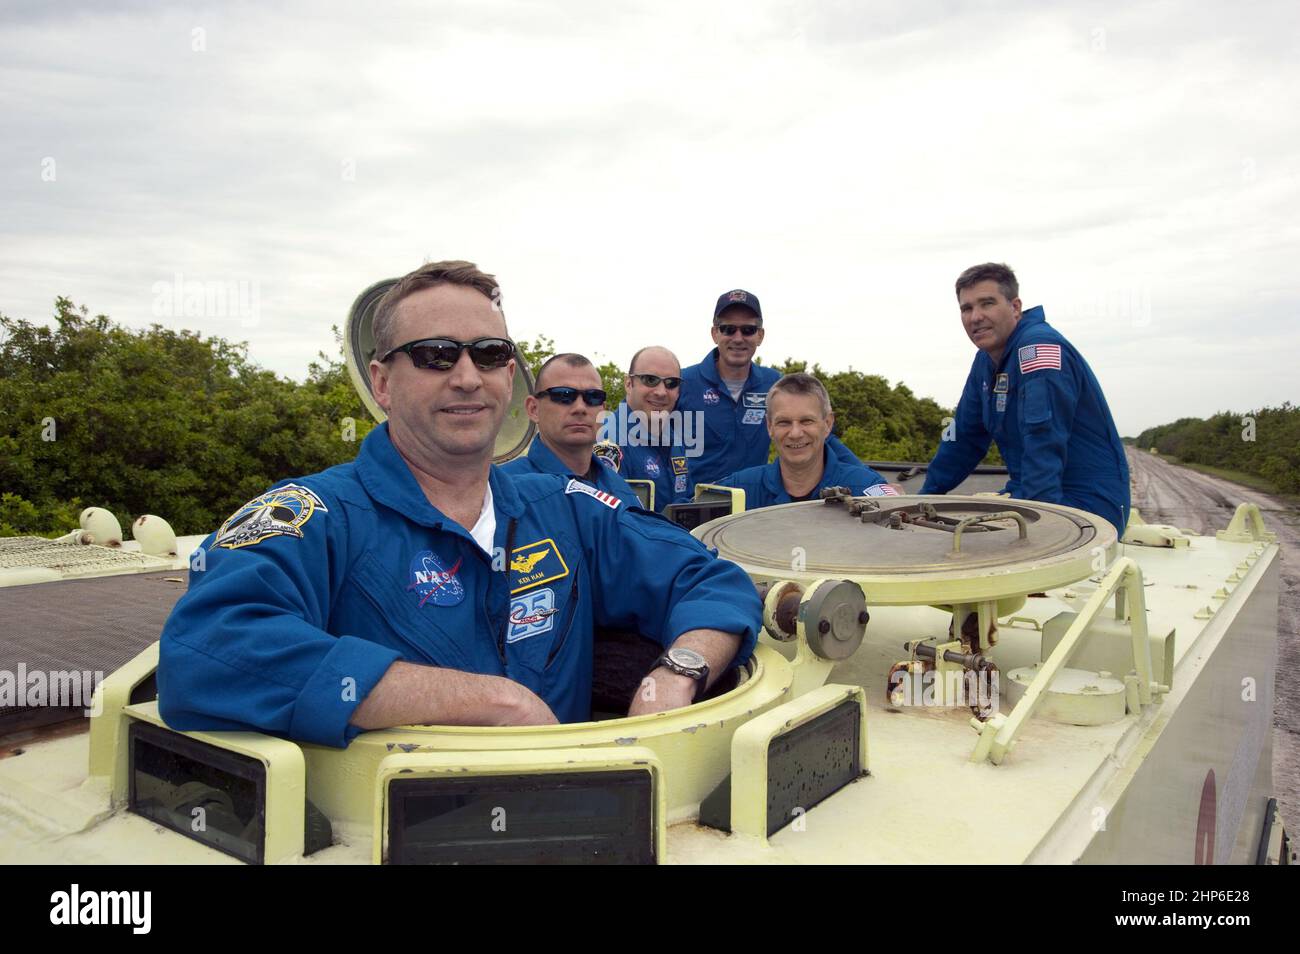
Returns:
(411, 694)
(717, 647)
(663, 689)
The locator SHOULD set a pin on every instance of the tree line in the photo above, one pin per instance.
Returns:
(189, 427)
(1263, 442)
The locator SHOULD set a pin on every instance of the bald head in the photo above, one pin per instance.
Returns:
(660, 362)
(658, 356)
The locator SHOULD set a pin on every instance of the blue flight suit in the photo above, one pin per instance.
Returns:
(310, 592)
(665, 465)
(1051, 423)
(540, 459)
(763, 486)
(735, 432)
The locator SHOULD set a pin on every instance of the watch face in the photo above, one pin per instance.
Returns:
(687, 658)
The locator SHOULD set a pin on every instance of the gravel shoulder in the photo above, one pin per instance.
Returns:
(1166, 493)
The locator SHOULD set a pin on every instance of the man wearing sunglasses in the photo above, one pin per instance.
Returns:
(730, 392)
(648, 434)
(420, 584)
(566, 407)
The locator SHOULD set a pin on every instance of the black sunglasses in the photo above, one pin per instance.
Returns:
(441, 354)
(728, 330)
(592, 397)
(652, 381)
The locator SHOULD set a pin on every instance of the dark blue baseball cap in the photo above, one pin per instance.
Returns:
(738, 297)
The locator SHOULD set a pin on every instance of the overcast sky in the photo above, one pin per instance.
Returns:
(618, 165)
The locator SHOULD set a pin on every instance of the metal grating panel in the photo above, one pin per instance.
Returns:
(93, 625)
(20, 552)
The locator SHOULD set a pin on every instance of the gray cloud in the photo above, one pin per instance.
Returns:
(618, 166)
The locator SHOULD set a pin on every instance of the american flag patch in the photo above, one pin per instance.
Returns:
(578, 487)
(880, 490)
(1040, 356)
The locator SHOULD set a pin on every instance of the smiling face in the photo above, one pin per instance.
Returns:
(735, 351)
(797, 427)
(658, 399)
(566, 427)
(988, 317)
(444, 416)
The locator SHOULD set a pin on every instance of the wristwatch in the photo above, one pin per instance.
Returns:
(686, 662)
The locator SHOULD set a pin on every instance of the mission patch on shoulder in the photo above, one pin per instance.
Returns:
(282, 512)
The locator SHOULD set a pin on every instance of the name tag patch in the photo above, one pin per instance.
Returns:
(679, 465)
(535, 564)
(531, 614)
(1003, 384)
(754, 415)
(756, 400)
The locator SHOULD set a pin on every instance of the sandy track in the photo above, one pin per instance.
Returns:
(1175, 495)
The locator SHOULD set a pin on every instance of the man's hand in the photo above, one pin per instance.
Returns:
(413, 694)
(519, 705)
(662, 690)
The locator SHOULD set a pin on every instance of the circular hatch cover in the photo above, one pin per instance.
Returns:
(359, 347)
(912, 550)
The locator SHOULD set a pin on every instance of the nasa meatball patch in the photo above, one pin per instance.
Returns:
(433, 582)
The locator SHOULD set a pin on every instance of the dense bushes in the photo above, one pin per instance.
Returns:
(1264, 442)
(154, 421)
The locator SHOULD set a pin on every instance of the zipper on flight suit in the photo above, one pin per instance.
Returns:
(505, 622)
(568, 623)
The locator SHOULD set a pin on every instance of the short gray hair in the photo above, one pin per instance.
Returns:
(801, 383)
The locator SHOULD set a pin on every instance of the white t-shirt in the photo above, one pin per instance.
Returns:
(485, 528)
(735, 387)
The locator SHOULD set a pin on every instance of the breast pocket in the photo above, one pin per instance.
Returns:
(541, 621)
(431, 616)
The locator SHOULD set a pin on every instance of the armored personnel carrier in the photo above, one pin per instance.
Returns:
(961, 679)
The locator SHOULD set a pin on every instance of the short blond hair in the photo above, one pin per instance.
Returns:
(802, 383)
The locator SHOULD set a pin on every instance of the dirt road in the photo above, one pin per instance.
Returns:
(1166, 493)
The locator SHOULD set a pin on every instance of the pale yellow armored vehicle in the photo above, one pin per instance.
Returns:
(960, 679)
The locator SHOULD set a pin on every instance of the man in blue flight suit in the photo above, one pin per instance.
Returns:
(1033, 393)
(729, 392)
(565, 407)
(649, 432)
(799, 420)
(420, 584)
